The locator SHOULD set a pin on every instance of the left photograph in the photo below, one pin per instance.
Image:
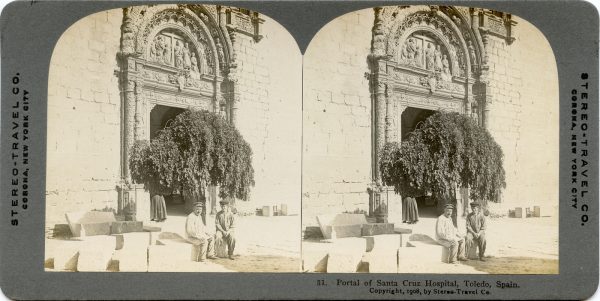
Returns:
(174, 143)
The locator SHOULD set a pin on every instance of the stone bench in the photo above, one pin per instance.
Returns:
(431, 250)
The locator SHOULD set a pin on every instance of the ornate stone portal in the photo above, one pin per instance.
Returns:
(432, 58)
(179, 56)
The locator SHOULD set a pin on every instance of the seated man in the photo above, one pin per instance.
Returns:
(447, 235)
(476, 230)
(225, 222)
(197, 234)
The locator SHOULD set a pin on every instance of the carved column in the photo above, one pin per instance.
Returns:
(380, 128)
(129, 125)
(139, 110)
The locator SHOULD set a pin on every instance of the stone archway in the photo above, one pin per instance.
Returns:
(176, 56)
(431, 58)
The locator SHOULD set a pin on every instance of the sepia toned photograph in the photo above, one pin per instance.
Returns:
(174, 143)
(430, 144)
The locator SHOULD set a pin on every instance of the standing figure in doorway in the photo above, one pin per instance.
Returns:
(225, 222)
(410, 212)
(476, 226)
(158, 209)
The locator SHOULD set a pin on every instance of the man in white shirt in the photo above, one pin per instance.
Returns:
(447, 235)
(197, 234)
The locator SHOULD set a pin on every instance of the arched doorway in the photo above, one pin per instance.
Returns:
(160, 116)
(423, 59)
(171, 58)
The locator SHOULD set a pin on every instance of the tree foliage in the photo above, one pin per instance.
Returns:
(445, 151)
(196, 149)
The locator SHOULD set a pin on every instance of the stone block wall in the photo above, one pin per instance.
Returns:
(83, 143)
(524, 116)
(84, 123)
(337, 118)
(270, 114)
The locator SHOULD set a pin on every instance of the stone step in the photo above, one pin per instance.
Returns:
(94, 259)
(377, 229)
(431, 251)
(381, 261)
(339, 261)
(132, 259)
(133, 240)
(126, 227)
(90, 223)
(383, 241)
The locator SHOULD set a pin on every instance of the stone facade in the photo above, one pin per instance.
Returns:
(488, 67)
(110, 69)
(336, 163)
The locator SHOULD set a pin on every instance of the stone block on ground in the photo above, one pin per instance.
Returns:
(266, 211)
(313, 232)
(358, 244)
(93, 222)
(382, 261)
(132, 260)
(327, 220)
(314, 256)
(377, 228)
(536, 211)
(344, 231)
(432, 252)
(284, 209)
(519, 212)
(472, 252)
(94, 259)
(400, 230)
(151, 228)
(383, 241)
(65, 254)
(61, 230)
(100, 241)
(340, 261)
(135, 240)
(126, 227)
(220, 248)
(169, 257)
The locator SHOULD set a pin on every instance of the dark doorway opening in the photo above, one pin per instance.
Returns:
(411, 117)
(160, 116)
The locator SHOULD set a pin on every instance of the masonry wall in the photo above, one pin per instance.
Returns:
(524, 117)
(270, 114)
(337, 118)
(83, 143)
(84, 127)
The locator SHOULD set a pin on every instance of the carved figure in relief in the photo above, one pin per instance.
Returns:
(178, 55)
(418, 56)
(455, 69)
(430, 57)
(446, 69)
(195, 73)
(166, 55)
(471, 55)
(438, 59)
(187, 62)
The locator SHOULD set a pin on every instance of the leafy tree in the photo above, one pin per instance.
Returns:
(195, 150)
(445, 151)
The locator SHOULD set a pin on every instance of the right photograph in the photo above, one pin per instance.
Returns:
(430, 144)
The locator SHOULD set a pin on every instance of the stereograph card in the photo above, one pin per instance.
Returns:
(299, 150)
